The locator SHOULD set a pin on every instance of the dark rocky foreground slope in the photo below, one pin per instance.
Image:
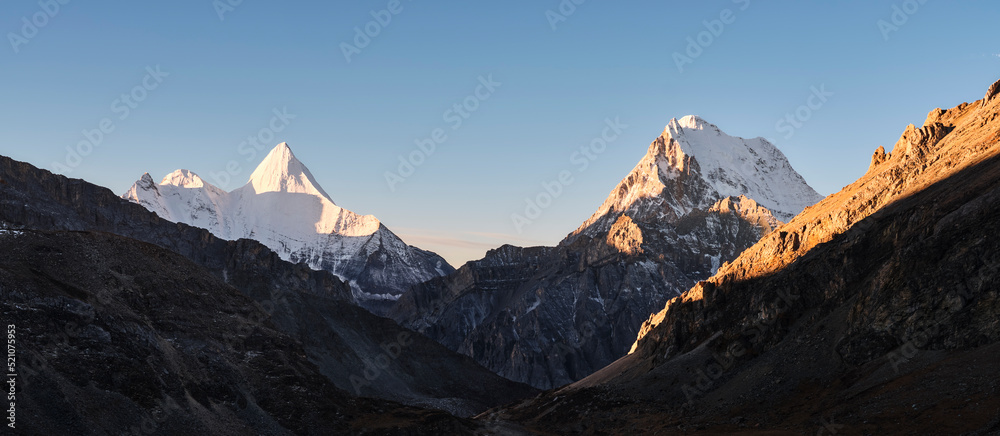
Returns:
(875, 311)
(549, 316)
(116, 336)
(347, 343)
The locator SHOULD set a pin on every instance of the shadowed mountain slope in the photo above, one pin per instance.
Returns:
(873, 312)
(117, 336)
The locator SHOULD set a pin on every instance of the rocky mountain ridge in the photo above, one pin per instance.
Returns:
(875, 310)
(548, 316)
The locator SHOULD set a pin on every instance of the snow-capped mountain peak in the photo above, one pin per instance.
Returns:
(691, 122)
(146, 180)
(736, 166)
(282, 172)
(283, 207)
(693, 164)
(183, 179)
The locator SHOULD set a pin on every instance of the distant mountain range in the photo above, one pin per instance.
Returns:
(283, 207)
(158, 312)
(712, 292)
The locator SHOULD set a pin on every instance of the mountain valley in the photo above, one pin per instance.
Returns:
(713, 292)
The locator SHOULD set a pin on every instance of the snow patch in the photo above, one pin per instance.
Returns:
(716, 262)
(534, 306)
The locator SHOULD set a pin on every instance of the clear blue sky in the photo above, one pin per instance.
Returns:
(353, 119)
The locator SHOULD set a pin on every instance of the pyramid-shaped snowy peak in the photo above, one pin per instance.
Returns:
(282, 172)
(283, 207)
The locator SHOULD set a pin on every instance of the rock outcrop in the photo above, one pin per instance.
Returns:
(878, 158)
(625, 236)
(992, 92)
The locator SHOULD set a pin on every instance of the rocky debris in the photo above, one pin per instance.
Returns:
(873, 312)
(548, 316)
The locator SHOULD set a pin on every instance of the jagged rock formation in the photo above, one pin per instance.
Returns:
(990, 93)
(283, 207)
(311, 308)
(878, 158)
(550, 316)
(875, 310)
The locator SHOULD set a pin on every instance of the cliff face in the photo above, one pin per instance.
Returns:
(875, 309)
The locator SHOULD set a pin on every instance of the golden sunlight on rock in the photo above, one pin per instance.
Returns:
(625, 236)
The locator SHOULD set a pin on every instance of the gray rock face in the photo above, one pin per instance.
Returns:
(548, 316)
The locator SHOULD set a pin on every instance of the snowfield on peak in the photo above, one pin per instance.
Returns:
(285, 208)
(282, 172)
(725, 166)
(735, 166)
